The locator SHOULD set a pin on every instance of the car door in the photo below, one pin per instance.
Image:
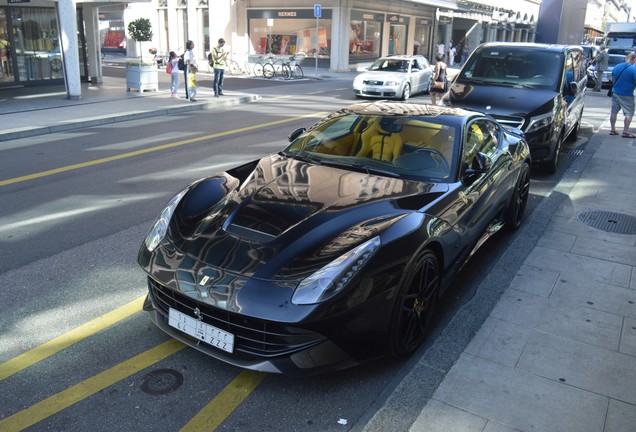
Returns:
(574, 97)
(417, 76)
(480, 196)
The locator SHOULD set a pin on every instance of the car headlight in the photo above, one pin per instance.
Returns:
(539, 122)
(160, 227)
(391, 83)
(332, 278)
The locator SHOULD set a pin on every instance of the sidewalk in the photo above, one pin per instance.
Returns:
(29, 112)
(558, 349)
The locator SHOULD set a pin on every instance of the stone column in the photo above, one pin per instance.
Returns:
(93, 44)
(340, 22)
(67, 19)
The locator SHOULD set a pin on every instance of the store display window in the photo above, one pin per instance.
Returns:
(290, 32)
(365, 33)
(37, 44)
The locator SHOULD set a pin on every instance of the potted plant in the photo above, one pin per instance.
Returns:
(139, 74)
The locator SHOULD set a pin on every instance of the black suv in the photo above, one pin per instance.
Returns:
(537, 88)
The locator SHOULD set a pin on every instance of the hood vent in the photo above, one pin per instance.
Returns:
(250, 234)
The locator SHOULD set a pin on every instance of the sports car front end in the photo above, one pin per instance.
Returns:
(266, 279)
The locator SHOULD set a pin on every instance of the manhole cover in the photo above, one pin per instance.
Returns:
(608, 221)
(161, 381)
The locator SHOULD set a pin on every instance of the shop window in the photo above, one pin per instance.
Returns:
(364, 39)
(37, 44)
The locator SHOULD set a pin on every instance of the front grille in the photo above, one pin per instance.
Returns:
(252, 337)
(373, 82)
(516, 122)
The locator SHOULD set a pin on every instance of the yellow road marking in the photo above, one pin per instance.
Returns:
(53, 346)
(86, 388)
(150, 150)
(219, 408)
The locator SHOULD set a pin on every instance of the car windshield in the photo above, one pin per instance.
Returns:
(408, 146)
(514, 67)
(390, 65)
(615, 60)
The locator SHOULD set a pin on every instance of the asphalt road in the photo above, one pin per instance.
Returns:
(68, 258)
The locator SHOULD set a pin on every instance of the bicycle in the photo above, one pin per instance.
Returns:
(265, 68)
(235, 68)
(291, 69)
(258, 66)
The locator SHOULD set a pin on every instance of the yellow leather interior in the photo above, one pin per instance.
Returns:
(380, 143)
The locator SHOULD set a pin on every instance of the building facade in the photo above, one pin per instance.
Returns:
(345, 33)
(44, 41)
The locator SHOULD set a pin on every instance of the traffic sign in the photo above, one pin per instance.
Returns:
(317, 10)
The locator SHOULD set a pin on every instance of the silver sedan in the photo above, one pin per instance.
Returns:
(394, 77)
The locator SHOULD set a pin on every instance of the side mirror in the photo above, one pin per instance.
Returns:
(574, 87)
(295, 134)
(480, 164)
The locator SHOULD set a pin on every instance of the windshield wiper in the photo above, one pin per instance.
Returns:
(360, 167)
(303, 156)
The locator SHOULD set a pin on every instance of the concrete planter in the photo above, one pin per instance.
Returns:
(142, 77)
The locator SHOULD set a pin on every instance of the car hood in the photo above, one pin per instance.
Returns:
(499, 100)
(382, 76)
(288, 213)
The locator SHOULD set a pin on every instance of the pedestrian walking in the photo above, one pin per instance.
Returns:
(173, 65)
(451, 56)
(188, 59)
(440, 84)
(218, 60)
(600, 65)
(465, 54)
(624, 83)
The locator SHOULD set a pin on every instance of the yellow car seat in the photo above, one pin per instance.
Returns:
(382, 140)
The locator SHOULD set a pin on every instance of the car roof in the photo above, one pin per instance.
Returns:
(530, 45)
(401, 108)
(400, 57)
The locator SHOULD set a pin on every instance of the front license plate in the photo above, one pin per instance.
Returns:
(202, 331)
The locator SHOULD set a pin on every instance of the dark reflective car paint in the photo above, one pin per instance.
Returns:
(514, 95)
(240, 242)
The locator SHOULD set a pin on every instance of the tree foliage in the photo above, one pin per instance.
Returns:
(140, 30)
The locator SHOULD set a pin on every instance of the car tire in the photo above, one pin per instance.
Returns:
(406, 93)
(519, 201)
(550, 165)
(415, 305)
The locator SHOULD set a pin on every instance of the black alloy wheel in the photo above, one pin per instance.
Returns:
(519, 200)
(415, 306)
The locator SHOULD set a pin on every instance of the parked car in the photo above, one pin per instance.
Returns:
(535, 87)
(614, 59)
(335, 250)
(394, 77)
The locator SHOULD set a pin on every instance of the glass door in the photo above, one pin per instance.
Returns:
(6, 62)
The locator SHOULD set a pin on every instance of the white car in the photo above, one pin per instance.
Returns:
(394, 77)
